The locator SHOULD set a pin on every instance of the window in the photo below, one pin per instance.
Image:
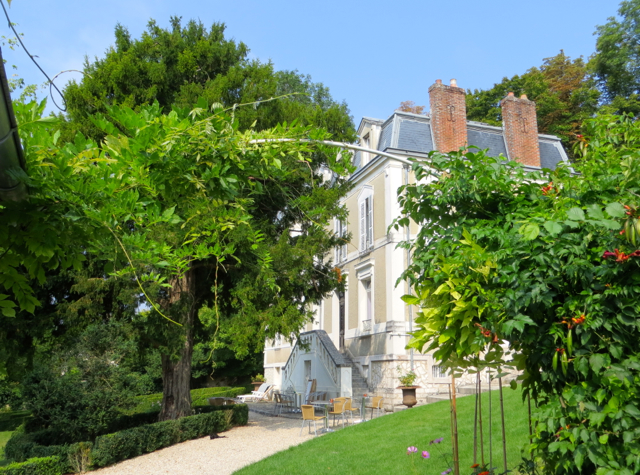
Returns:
(341, 232)
(367, 305)
(366, 223)
(438, 371)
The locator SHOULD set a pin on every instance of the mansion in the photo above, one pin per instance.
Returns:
(358, 338)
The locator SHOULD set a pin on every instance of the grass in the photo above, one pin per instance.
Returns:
(380, 445)
(4, 438)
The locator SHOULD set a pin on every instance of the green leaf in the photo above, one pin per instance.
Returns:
(603, 439)
(410, 299)
(595, 212)
(8, 312)
(632, 410)
(531, 231)
(575, 214)
(596, 362)
(615, 210)
(553, 227)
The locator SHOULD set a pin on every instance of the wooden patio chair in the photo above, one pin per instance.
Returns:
(376, 404)
(309, 414)
(338, 409)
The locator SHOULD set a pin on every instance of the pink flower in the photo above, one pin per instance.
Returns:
(425, 454)
(411, 450)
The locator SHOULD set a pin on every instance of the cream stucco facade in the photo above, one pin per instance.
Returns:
(367, 328)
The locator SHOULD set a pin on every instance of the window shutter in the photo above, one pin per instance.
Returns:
(336, 230)
(344, 246)
(363, 226)
(370, 221)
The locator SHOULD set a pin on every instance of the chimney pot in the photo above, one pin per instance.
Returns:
(521, 129)
(448, 116)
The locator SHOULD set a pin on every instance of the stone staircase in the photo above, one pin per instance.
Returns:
(358, 384)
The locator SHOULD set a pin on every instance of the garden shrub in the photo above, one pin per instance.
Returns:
(112, 448)
(73, 406)
(10, 421)
(36, 466)
(127, 443)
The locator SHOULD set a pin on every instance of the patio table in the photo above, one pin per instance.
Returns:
(325, 405)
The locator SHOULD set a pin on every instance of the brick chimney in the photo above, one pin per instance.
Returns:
(448, 116)
(520, 127)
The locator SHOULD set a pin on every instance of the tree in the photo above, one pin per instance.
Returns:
(187, 208)
(616, 63)
(238, 300)
(562, 88)
(548, 263)
(177, 67)
(410, 106)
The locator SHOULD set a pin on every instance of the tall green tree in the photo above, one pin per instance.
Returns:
(562, 88)
(187, 65)
(180, 65)
(616, 64)
(548, 263)
(184, 206)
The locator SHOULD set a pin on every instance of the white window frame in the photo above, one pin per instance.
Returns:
(340, 228)
(365, 206)
(366, 296)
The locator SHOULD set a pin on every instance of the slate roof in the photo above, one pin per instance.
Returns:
(411, 133)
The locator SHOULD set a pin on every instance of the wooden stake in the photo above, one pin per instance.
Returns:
(480, 418)
(504, 439)
(454, 409)
(475, 429)
(530, 427)
(490, 427)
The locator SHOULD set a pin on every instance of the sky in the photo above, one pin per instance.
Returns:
(373, 55)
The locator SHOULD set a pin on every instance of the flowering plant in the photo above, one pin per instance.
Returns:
(426, 455)
(407, 379)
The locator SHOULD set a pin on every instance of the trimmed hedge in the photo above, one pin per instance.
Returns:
(199, 397)
(12, 420)
(36, 466)
(123, 445)
(111, 448)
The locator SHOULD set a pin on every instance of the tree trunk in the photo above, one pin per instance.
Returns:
(176, 373)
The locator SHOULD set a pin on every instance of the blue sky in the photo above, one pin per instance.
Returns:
(371, 54)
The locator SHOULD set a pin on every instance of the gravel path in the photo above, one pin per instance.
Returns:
(241, 446)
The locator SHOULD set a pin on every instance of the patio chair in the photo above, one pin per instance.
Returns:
(256, 395)
(308, 414)
(277, 397)
(338, 409)
(288, 399)
(376, 404)
(349, 409)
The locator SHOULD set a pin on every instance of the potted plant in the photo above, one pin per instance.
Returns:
(257, 381)
(408, 388)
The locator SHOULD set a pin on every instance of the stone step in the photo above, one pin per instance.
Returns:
(437, 398)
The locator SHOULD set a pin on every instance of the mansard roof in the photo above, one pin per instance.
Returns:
(410, 134)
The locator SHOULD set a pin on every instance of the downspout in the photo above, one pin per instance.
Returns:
(408, 237)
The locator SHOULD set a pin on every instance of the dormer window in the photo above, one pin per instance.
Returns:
(366, 143)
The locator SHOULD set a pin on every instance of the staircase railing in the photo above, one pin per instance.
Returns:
(318, 342)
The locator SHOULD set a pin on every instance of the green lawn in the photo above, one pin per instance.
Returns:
(4, 437)
(380, 446)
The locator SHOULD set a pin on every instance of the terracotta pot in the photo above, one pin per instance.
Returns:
(409, 395)
(256, 384)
